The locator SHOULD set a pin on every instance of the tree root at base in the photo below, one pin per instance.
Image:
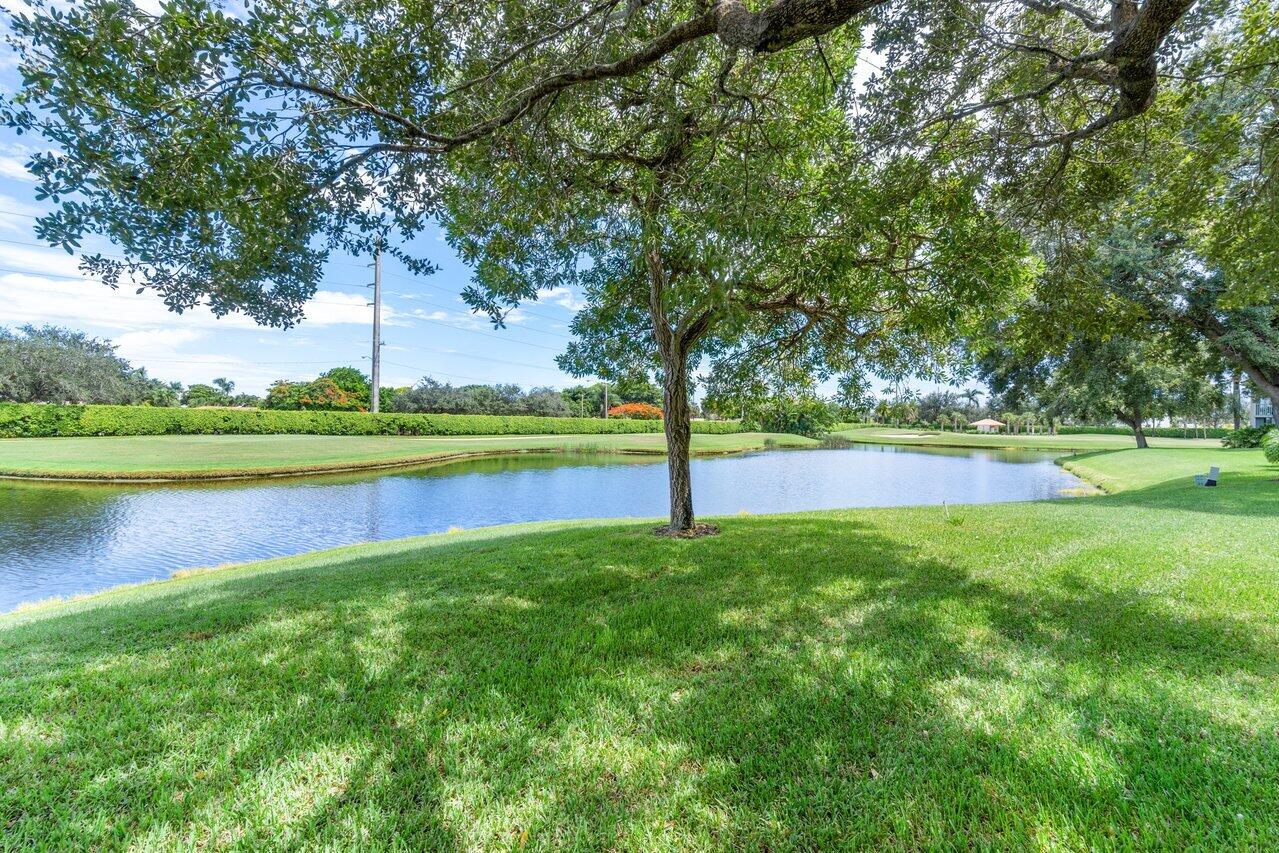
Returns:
(697, 531)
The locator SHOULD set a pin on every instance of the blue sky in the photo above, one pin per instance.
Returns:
(427, 329)
(425, 326)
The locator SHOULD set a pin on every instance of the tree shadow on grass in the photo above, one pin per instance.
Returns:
(790, 683)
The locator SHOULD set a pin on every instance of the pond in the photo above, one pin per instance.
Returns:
(63, 539)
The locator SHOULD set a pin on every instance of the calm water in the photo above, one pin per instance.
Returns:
(66, 539)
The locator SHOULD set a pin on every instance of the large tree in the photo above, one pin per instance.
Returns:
(226, 156)
(1183, 229)
(703, 225)
(693, 164)
(1078, 351)
(1132, 380)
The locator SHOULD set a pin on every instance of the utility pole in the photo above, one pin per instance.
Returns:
(374, 391)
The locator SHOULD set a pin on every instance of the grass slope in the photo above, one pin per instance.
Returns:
(1093, 673)
(207, 456)
(1068, 443)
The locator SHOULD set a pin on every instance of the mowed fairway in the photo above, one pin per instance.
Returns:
(1065, 443)
(1091, 673)
(196, 456)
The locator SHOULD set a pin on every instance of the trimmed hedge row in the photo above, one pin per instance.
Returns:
(1151, 432)
(25, 420)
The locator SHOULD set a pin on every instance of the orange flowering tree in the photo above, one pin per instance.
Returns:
(636, 411)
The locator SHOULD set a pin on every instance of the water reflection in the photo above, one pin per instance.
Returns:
(64, 539)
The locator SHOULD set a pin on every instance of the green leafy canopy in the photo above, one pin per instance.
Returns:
(227, 155)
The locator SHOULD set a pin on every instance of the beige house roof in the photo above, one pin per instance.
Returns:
(987, 422)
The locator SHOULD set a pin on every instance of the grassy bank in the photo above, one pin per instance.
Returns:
(1065, 443)
(1093, 673)
(179, 457)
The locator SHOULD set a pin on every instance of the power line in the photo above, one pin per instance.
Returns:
(519, 328)
(477, 357)
(499, 337)
(441, 287)
(467, 356)
(229, 361)
(401, 294)
(405, 315)
(427, 372)
(409, 317)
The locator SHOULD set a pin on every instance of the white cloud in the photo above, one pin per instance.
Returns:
(153, 337)
(43, 260)
(331, 308)
(439, 316)
(461, 319)
(249, 377)
(29, 298)
(564, 297)
(18, 216)
(160, 351)
(43, 296)
(15, 168)
(142, 343)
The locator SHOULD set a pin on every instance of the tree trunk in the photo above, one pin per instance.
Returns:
(673, 346)
(676, 422)
(1134, 421)
(1236, 400)
(1137, 423)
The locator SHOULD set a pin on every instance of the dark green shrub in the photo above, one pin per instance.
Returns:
(1246, 437)
(1270, 444)
(1155, 432)
(33, 420)
(804, 414)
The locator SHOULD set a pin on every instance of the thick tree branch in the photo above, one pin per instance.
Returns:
(1081, 14)
(283, 81)
(1126, 63)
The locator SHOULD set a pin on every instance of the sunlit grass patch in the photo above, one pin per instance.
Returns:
(1088, 674)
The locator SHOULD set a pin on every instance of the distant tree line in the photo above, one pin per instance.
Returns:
(220, 393)
(430, 396)
(57, 365)
(1136, 381)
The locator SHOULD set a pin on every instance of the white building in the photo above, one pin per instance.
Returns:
(988, 425)
(1261, 412)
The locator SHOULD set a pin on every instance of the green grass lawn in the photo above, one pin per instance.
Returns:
(1068, 443)
(195, 456)
(1092, 673)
